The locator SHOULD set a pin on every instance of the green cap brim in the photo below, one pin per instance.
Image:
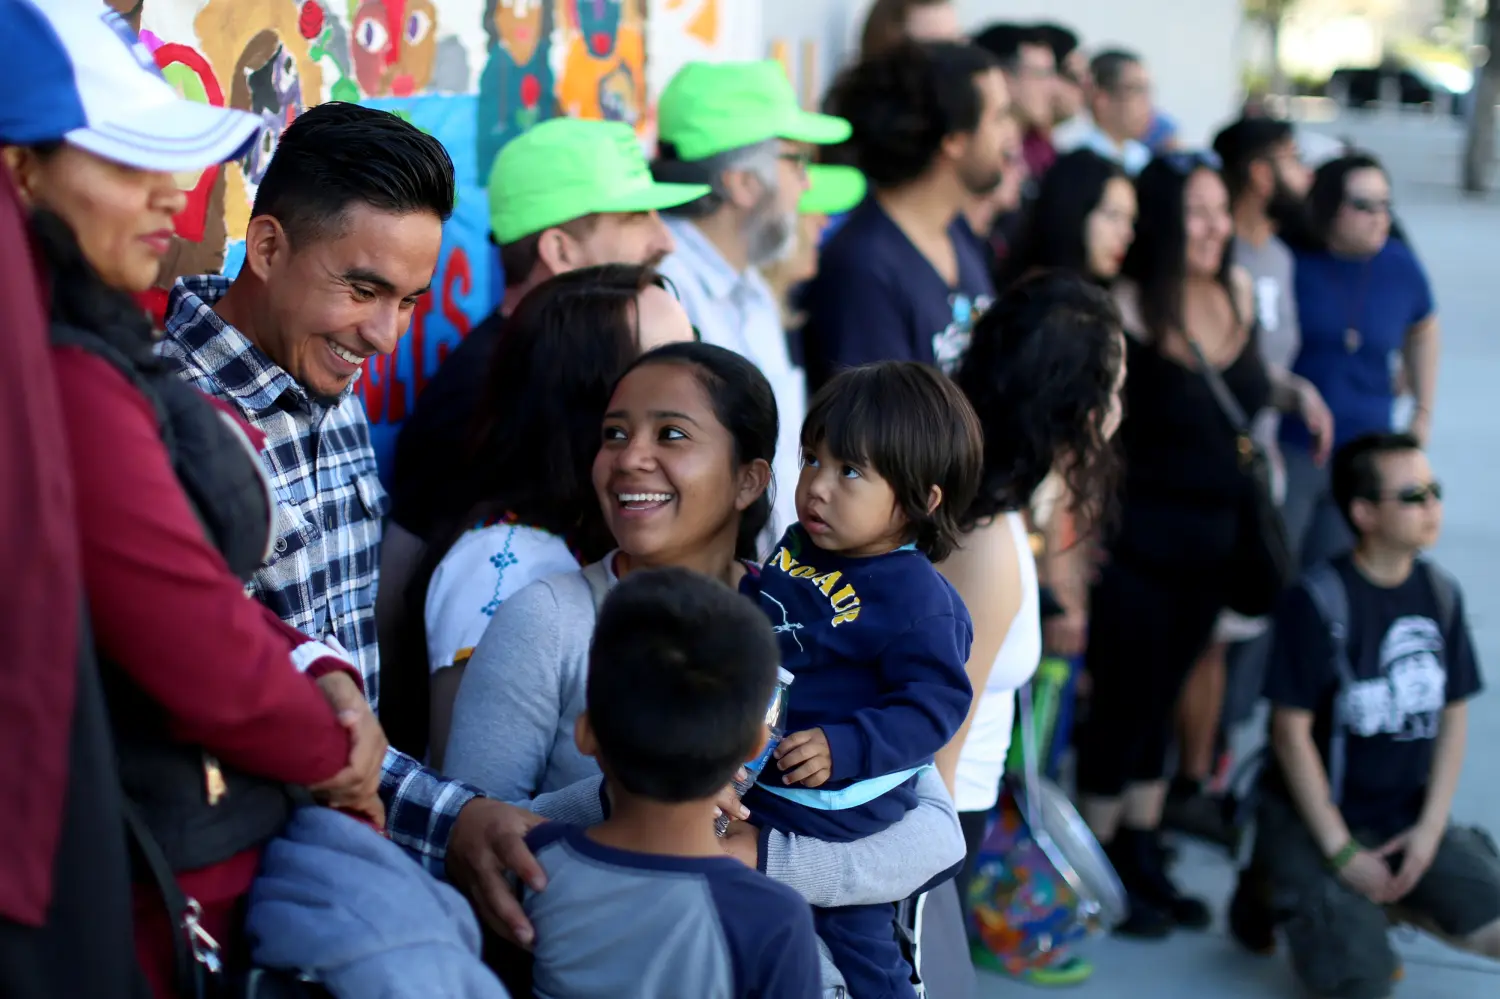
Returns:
(833, 190)
(654, 197)
(815, 129)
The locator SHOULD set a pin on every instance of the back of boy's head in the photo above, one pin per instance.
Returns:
(911, 424)
(680, 672)
(1355, 474)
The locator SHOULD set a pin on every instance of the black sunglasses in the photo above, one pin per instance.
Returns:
(1370, 206)
(1414, 495)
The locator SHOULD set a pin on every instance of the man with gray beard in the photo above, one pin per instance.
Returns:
(737, 127)
(902, 278)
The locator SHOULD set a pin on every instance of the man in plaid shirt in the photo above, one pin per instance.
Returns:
(343, 240)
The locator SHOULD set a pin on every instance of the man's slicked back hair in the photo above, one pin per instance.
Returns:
(336, 155)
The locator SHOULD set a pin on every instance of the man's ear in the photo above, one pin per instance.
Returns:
(265, 242)
(742, 189)
(557, 251)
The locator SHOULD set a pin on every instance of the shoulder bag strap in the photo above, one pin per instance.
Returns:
(1230, 406)
(193, 950)
(1329, 596)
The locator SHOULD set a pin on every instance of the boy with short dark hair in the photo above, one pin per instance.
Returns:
(647, 904)
(877, 639)
(1369, 685)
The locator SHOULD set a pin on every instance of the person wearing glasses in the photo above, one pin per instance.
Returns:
(1354, 827)
(1030, 67)
(1363, 300)
(737, 127)
(1119, 101)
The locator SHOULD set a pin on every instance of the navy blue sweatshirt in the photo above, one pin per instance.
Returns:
(878, 646)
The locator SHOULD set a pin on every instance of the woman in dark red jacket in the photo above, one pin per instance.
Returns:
(216, 704)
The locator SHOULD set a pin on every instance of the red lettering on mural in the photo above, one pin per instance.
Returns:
(459, 274)
(418, 338)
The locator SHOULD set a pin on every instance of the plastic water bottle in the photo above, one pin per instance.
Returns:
(776, 722)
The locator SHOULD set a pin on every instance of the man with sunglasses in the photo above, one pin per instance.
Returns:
(1369, 684)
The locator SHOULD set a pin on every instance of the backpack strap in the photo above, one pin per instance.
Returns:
(1445, 592)
(1326, 588)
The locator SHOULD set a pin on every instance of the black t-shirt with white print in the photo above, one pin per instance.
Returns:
(1407, 671)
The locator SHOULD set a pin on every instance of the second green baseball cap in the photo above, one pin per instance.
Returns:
(710, 108)
(566, 168)
(832, 190)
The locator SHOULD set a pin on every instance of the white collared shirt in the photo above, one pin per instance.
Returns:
(739, 311)
(1132, 156)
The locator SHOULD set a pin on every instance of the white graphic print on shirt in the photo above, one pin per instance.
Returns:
(1406, 701)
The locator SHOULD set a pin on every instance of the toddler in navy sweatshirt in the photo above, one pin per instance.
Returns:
(877, 639)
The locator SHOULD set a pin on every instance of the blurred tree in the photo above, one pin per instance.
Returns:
(1479, 149)
(1270, 13)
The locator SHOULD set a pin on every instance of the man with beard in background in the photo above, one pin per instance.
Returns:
(902, 279)
(737, 127)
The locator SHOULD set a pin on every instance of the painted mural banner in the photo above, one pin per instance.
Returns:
(472, 73)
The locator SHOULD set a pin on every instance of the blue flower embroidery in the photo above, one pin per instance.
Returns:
(501, 560)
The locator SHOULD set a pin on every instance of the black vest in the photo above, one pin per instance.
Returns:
(199, 811)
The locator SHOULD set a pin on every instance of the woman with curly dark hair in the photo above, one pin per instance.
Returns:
(1044, 373)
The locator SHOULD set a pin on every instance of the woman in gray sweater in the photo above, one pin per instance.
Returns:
(682, 476)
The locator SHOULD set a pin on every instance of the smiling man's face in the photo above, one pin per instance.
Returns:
(337, 300)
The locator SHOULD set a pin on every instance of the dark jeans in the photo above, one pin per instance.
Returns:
(1339, 939)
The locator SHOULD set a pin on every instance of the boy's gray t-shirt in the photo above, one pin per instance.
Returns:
(613, 923)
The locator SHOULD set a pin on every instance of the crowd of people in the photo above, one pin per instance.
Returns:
(857, 414)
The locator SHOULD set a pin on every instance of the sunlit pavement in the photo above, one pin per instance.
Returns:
(1459, 241)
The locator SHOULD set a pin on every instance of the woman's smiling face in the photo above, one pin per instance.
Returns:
(666, 473)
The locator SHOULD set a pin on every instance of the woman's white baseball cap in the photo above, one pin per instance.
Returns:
(76, 72)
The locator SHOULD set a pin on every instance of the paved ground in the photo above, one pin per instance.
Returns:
(1459, 240)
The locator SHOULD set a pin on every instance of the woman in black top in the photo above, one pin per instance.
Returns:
(1181, 506)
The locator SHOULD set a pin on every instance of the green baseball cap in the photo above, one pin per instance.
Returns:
(566, 168)
(711, 108)
(832, 190)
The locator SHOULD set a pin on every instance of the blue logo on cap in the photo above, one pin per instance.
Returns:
(132, 42)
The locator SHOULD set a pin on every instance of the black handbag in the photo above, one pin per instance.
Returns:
(1261, 566)
(200, 968)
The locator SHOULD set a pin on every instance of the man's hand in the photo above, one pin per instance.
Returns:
(357, 786)
(1417, 846)
(488, 842)
(742, 842)
(1367, 873)
(1066, 634)
(805, 758)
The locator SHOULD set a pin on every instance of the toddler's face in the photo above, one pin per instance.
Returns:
(847, 508)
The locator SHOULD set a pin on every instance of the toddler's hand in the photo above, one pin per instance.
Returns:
(804, 757)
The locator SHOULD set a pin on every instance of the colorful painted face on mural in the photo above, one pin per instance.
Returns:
(517, 27)
(598, 24)
(393, 43)
(267, 84)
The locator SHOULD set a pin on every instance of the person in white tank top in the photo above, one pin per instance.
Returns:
(1044, 373)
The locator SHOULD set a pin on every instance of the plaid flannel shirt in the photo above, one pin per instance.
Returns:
(323, 570)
